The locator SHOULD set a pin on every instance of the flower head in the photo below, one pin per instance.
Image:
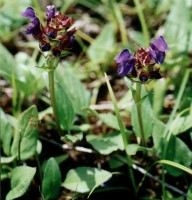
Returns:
(56, 36)
(34, 28)
(143, 64)
(125, 62)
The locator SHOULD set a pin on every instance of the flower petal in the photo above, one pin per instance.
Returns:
(51, 12)
(159, 44)
(125, 62)
(29, 13)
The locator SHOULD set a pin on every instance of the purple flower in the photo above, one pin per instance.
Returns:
(34, 28)
(157, 49)
(125, 62)
(51, 12)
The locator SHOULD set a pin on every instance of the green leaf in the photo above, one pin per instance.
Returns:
(73, 138)
(6, 133)
(64, 108)
(20, 181)
(103, 44)
(147, 117)
(26, 134)
(132, 149)
(6, 160)
(84, 179)
(78, 95)
(175, 150)
(189, 193)
(28, 78)
(181, 124)
(110, 120)
(106, 144)
(158, 98)
(158, 129)
(177, 31)
(51, 179)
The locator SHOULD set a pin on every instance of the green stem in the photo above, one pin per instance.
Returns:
(52, 97)
(139, 112)
(142, 21)
(123, 133)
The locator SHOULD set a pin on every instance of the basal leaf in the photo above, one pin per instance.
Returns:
(26, 134)
(177, 150)
(20, 181)
(132, 149)
(84, 179)
(181, 124)
(51, 180)
(106, 144)
(110, 120)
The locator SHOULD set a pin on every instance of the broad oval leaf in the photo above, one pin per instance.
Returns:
(51, 179)
(26, 134)
(110, 120)
(84, 179)
(78, 95)
(103, 44)
(64, 108)
(106, 144)
(20, 181)
(132, 149)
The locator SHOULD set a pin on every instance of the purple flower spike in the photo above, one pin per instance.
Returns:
(51, 12)
(29, 13)
(125, 62)
(34, 28)
(157, 49)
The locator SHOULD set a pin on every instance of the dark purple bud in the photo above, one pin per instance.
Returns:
(45, 47)
(125, 62)
(157, 49)
(51, 34)
(56, 52)
(71, 40)
(29, 13)
(143, 77)
(51, 12)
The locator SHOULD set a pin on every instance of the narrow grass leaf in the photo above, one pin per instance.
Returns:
(176, 165)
